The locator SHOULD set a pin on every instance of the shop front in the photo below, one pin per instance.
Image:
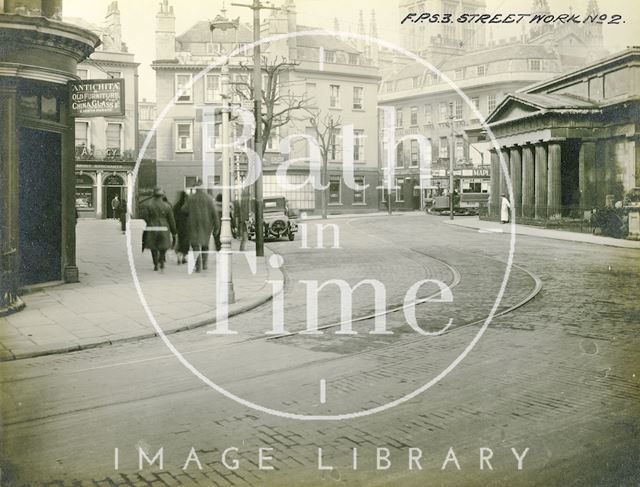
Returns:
(37, 185)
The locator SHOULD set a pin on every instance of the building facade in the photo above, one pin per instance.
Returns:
(106, 147)
(571, 144)
(38, 57)
(343, 84)
(428, 107)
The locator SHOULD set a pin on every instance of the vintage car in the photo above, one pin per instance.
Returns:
(279, 220)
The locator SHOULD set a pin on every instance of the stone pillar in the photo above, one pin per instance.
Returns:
(528, 182)
(554, 197)
(503, 175)
(9, 175)
(541, 181)
(99, 195)
(515, 168)
(494, 190)
(587, 175)
(129, 185)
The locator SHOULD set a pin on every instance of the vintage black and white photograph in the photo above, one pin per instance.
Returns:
(317, 242)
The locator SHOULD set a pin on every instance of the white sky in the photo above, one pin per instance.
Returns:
(138, 20)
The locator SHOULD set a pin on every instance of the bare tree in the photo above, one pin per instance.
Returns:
(326, 127)
(280, 102)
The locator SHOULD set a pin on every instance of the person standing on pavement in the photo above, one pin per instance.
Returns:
(123, 216)
(202, 221)
(115, 207)
(505, 206)
(182, 246)
(161, 227)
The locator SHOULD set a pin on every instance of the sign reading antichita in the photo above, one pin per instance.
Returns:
(97, 97)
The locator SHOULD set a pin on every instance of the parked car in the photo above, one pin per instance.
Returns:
(279, 220)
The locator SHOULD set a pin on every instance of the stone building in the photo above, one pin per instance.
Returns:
(334, 76)
(486, 71)
(106, 147)
(39, 54)
(571, 143)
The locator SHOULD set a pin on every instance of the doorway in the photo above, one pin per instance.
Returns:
(569, 178)
(113, 186)
(40, 221)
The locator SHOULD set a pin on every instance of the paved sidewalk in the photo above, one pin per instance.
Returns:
(493, 227)
(104, 306)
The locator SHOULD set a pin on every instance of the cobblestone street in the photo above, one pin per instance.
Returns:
(551, 385)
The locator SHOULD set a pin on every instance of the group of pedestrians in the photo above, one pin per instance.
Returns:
(188, 224)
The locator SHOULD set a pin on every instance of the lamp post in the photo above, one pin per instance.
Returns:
(452, 147)
(224, 273)
(225, 230)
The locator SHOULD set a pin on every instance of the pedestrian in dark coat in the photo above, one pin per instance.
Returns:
(123, 215)
(202, 221)
(161, 227)
(182, 247)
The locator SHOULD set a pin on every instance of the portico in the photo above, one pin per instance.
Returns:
(567, 147)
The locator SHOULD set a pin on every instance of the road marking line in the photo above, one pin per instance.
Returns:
(323, 391)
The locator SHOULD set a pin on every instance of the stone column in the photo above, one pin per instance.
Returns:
(494, 190)
(9, 176)
(528, 182)
(554, 197)
(503, 175)
(99, 195)
(129, 185)
(587, 175)
(515, 168)
(541, 181)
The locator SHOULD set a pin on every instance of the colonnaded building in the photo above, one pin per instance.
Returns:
(334, 77)
(571, 143)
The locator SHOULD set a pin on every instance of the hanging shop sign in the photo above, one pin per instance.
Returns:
(97, 97)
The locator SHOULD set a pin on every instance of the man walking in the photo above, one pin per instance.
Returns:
(161, 228)
(202, 221)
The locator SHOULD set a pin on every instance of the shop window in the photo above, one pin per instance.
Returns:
(335, 190)
(84, 192)
(358, 194)
(191, 181)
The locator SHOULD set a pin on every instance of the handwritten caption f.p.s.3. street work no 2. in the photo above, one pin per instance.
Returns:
(511, 18)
